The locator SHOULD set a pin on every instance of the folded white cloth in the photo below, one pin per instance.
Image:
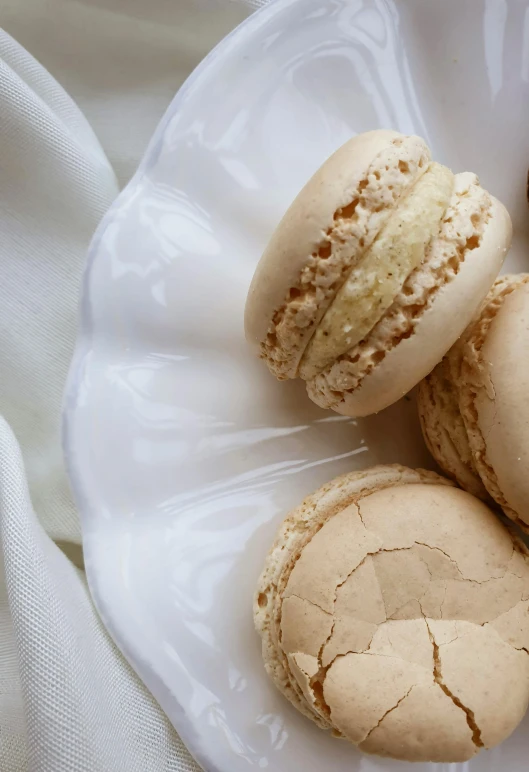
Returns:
(75, 116)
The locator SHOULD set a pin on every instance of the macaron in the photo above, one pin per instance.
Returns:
(474, 407)
(374, 271)
(393, 611)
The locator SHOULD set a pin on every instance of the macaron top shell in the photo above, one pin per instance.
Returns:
(394, 610)
(494, 386)
(371, 286)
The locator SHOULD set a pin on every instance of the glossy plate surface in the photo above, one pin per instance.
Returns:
(183, 453)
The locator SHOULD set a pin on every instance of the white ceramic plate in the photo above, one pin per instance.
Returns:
(184, 454)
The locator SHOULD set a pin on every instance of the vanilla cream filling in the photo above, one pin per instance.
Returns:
(373, 284)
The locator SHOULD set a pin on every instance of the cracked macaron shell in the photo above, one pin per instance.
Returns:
(412, 644)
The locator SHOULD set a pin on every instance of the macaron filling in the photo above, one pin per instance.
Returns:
(376, 279)
(472, 369)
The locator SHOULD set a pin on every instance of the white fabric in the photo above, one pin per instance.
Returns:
(68, 701)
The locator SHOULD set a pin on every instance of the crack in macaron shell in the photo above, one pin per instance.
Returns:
(339, 301)
(452, 739)
(441, 545)
(377, 278)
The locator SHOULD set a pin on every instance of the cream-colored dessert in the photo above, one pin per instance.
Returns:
(474, 406)
(373, 273)
(394, 611)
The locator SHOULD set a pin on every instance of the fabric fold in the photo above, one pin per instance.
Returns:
(75, 118)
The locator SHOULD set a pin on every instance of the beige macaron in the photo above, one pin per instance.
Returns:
(394, 611)
(474, 406)
(374, 271)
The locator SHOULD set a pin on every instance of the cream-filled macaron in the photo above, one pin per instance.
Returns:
(394, 611)
(374, 271)
(474, 406)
